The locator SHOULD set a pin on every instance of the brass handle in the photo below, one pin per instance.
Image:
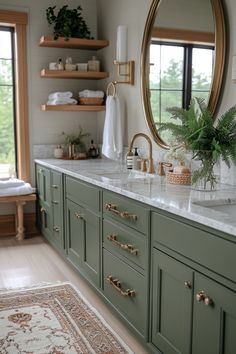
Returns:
(55, 228)
(55, 186)
(208, 301)
(116, 283)
(41, 170)
(123, 214)
(200, 296)
(55, 202)
(78, 216)
(129, 248)
(188, 284)
(43, 210)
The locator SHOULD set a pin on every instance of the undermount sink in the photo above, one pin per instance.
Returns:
(225, 206)
(125, 176)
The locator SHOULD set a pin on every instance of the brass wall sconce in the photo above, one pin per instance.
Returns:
(125, 70)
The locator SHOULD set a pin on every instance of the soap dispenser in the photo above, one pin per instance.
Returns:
(136, 160)
(94, 64)
(129, 160)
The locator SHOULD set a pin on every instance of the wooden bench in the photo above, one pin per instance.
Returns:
(20, 201)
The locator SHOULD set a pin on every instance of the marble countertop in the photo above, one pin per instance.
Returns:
(153, 190)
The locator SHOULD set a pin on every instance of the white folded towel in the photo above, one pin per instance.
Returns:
(56, 95)
(21, 190)
(61, 101)
(90, 94)
(113, 129)
(11, 183)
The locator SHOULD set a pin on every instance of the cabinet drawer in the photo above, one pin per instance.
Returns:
(133, 308)
(209, 250)
(125, 242)
(126, 211)
(82, 193)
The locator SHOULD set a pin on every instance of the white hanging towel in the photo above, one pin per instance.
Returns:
(113, 129)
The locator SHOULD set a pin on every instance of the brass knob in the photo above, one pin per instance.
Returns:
(55, 186)
(78, 216)
(54, 202)
(208, 301)
(43, 210)
(200, 296)
(55, 228)
(188, 284)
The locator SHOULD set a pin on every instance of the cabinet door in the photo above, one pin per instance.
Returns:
(83, 240)
(75, 230)
(214, 318)
(171, 305)
(44, 185)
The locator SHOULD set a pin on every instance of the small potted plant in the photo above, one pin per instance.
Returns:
(76, 145)
(207, 140)
(67, 22)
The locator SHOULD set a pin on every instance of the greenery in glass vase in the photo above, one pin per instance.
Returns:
(68, 22)
(208, 140)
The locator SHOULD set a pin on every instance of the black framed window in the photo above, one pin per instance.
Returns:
(8, 155)
(178, 72)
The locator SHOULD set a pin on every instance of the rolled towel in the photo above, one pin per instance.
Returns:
(61, 101)
(56, 95)
(91, 94)
(21, 190)
(11, 183)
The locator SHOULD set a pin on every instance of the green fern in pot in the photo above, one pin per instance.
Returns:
(208, 141)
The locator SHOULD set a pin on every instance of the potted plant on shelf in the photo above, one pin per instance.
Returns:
(207, 140)
(68, 22)
(76, 145)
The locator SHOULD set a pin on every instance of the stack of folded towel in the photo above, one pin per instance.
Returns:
(14, 186)
(61, 98)
(91, 94)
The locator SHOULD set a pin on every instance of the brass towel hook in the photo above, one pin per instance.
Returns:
(111, 85)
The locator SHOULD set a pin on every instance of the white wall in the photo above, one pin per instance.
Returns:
(133, 13)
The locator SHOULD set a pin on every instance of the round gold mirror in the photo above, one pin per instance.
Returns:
(183, 54)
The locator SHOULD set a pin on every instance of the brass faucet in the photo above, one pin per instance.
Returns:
(150, 167)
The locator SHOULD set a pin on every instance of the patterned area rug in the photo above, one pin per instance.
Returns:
(54, 319)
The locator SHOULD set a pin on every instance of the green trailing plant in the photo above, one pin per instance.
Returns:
(67, 22)
(208, 140)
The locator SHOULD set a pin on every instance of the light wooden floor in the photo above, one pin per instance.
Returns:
(32, 261)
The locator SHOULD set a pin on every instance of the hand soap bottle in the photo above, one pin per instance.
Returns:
(94, 64)
(136, 160)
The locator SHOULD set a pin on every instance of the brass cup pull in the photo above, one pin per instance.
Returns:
(55, 186)
(200, 296)
(116, 283)
(129, 248)
(55, 202)
(55, 228)
(78, 216)
(43, 210)
(122, 214)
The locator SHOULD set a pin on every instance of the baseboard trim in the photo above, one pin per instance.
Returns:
(8, 228)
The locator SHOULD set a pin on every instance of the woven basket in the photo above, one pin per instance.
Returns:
(96, 101)
(178, 178)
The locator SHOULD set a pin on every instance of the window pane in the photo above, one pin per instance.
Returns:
(155, 66)
(5, 40)
(202, 69)
(172, 67)
(7, 131)
(201, 94)
(5, 72)
(155, 104)
(169, 99)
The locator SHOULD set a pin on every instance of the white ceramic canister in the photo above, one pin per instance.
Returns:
(58, 152)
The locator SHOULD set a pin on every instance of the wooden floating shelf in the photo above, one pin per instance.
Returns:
(66, 74)
(73, 43)
(73, 108)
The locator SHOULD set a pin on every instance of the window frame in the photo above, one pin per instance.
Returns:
(19, 21)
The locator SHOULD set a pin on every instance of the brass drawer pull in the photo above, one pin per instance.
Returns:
(55, 186)
(116, 283)
(55, 228)
(43, 210)
(201, 296)
(55, 202)
(78, 216)
(129, 248)
(123, 214)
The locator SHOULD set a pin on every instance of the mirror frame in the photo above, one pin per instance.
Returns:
(220, 50)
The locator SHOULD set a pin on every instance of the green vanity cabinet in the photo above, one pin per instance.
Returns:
(192, 310)
(83, 224)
